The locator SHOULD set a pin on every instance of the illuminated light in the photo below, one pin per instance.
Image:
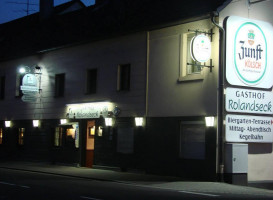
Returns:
(7, 124)
(63, 121)
(108, 121)
(35, 123)
(22, 70)
(209, 121)
(139, 121)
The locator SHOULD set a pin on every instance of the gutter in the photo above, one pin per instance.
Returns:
(220, 102)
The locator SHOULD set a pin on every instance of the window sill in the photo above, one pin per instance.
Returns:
(191, 77)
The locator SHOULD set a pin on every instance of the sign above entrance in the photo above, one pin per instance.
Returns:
(89, 110)
(245, 128)
(249, 44)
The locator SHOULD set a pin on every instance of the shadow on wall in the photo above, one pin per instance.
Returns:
(260, 148)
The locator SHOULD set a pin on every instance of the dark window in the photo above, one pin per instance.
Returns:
(192, 140)
(19, 79)
(124, 72)
(91, 81)
(2, 87)
(59, 85)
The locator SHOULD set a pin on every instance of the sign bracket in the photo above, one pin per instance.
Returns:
(210, 33)
(210, 66)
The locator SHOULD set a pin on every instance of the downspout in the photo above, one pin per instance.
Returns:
(220, 106)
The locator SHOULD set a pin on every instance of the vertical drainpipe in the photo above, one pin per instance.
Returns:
(220, 105)
(147, 72)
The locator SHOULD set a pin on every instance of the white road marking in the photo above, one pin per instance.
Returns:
(12, 184)
(83, 197)
(199, 193)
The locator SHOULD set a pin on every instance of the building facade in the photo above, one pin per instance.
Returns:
(134, 73)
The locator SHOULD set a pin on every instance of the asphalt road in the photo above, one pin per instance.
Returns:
(16, 184)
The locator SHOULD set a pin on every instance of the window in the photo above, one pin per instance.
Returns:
(21, 136)
(19, 79)
(1, 136)
(2, 87)
(191, 68)
(91, 81)
(124, 72)
(59, 85)
(58, 136)
(192, 140)
(188, 71)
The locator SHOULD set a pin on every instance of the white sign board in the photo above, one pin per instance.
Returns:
(249, 50)
(89, 110)
(249, 101)
(200, 48)
(245, 128)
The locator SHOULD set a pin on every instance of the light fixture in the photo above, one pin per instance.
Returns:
(35, 123)
(108, 121)
(7, 124)
(209, 121)
(24, 69)
(139, 121)
(63, 121)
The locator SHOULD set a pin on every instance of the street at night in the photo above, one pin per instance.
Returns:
(52, 184)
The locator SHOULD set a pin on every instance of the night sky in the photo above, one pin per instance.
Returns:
(13, 9)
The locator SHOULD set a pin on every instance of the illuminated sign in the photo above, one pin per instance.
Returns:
(245, 128)
(89, 110)
(249, 101)
(248, 48)
(200, 48)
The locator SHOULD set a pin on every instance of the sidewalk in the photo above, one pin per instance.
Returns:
(139, 179)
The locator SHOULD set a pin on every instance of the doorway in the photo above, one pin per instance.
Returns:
(90, 143)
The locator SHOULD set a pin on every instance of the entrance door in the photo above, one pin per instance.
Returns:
(90, 143)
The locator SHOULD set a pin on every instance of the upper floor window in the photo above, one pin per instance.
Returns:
(91, 81)
(59, 85)
(124, 75)
(19, 79)
(189, 68)
(191, 65)
(2, 87)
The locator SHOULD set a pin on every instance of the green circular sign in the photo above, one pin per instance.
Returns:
(250, 53)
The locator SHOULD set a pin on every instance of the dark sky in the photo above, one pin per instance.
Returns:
(13, 9)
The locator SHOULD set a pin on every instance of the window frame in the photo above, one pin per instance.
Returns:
(2, 87)
(59, 85)
(192, 156)
(58, 135)
(124, 77)
(90, 75)
(21, 136)
(184, 54)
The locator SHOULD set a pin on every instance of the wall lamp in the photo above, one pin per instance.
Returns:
(24, 69)
(63, 121)
(108, 121)
(35, 123)
(139, 121)
(7, 124)
(209, 121)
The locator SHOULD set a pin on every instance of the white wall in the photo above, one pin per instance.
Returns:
(74, 61)
(260, 158)
(167, 96)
